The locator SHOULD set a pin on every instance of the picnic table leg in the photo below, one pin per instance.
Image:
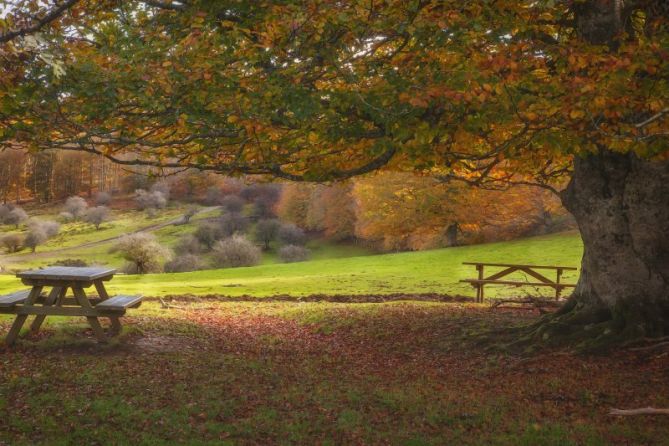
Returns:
(114, 321)
(80, 295)
(558, 290)
(479, 289)
(53, 299)
(21, 318)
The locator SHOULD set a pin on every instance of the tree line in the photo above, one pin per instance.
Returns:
(50, 176)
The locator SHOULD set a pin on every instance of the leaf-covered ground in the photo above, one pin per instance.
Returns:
(403, 373)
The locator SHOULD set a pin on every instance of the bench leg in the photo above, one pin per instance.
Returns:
(115, 326)
(16, 329)
(53, 299)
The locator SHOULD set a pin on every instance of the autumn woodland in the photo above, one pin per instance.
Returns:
(318, 222)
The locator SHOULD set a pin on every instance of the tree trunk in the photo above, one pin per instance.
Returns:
(621, 205)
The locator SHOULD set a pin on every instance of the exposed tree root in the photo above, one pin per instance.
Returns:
(584, 328)
(642, 411)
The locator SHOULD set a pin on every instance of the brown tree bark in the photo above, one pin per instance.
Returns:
(621, 205)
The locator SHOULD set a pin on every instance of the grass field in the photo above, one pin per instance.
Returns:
(435, 271)
(404, 373)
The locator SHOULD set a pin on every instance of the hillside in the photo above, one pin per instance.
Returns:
(434, 271)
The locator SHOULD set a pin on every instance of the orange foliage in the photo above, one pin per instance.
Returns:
(405, 211)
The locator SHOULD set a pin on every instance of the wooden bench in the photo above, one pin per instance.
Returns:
(509, 268)
(119, 303)
(13, 299)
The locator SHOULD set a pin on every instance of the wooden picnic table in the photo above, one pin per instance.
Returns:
(56, 303)
(509, 268)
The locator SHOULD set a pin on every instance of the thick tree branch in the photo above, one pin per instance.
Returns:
(50, 17)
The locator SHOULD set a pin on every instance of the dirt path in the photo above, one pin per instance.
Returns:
(46, 254)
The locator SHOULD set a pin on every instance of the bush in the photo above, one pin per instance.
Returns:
(293, 253)
(190, 213)
(12, 242)
(66, 217)
(232, 223)
(47, 227)
(70, 262)
(103, 198)
(183, 264)
(154, 199)
(76, 206)
(35, 237)
(266, 231)
(163, 188)
(263, 207)
(232, 204)
(15, 217)
(289, 234)
(189, 244)
(143, 253)
(5, 209)
(270, 192)
(97, 215)
(234, 252)
(50, 228)
(208, 234)
(213, 196)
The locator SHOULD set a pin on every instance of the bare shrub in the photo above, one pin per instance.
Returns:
(163, 188)
(35, 237)
(293, 253)
(153, 199)
(189, 244)
(267, 231)
(208, 234)
(234, 252)
(143, 253)
(97, 215)
(232, 204)
(103, 198)
(48, 227)
(76, 206)
(289, 234)
(183, 263)
(12, 242)
(66, 217)
(15, 217)
(232, 223)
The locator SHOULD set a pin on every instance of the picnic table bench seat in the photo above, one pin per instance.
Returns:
(120, 303)
(13, 299)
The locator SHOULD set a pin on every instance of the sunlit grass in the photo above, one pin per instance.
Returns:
(434, 271)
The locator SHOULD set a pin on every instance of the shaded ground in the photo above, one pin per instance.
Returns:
(402, 373)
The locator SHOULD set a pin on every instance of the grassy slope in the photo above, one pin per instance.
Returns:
(415, 272)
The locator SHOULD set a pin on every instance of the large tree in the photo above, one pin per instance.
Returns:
(491, 92)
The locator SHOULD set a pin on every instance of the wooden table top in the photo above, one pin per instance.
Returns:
(67, 273)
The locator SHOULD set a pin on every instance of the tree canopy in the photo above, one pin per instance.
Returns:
(313, 90)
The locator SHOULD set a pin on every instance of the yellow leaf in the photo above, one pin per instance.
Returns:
(576, 114)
